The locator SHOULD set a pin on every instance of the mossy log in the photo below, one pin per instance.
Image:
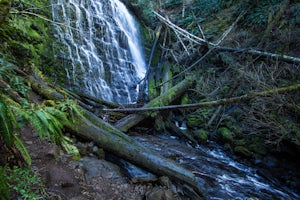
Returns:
(113, 140)
(126, 147)
(240, 99)
(165, 99)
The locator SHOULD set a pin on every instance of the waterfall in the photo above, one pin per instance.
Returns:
(100, 48)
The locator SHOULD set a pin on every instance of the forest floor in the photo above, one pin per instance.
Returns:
(66, 178)
(88, 178)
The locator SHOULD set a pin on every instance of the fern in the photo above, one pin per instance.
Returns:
(7, 123)
(6, 69)
(70, 107)
(4, 189)
(18, 143)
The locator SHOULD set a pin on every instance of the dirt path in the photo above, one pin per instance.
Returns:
(89, 178)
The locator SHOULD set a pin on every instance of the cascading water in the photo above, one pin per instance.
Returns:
(100, 44)
(221, 177)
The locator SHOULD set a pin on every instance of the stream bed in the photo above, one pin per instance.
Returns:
(224, 178)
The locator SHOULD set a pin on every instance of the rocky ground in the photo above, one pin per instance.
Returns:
(88, 178)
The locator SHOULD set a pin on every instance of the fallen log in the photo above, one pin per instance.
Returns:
(113, 140)
(243, 98)
(175, 92)
(134, 152)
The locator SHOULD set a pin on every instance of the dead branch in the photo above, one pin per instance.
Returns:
(285, 58)
(226, 101)
(24, 12)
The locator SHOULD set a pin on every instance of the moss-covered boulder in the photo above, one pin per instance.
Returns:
(226, 135)
(201, 135)
(195, 120)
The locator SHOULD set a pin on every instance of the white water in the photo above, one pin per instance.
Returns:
(222, 177)
(101, 50)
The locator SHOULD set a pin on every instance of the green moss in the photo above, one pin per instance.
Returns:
(195, 120)
(226, 135)
(27, 38)
(242, 151)
(185, 99)
(257, 146)
(201, 135)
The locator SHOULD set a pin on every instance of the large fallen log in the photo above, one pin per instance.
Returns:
(131, 150)
(113, 140)
(165, 99)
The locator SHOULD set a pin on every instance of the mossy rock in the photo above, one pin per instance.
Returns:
(242, 151)
(226, 135)
(195, 121)
(201, 135)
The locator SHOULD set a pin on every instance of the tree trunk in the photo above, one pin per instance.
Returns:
(175, 92)
(127, 148)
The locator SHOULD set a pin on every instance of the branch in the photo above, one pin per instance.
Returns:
(226, 101)
(181, 31)
(197, 40)
(24, 12)
(262, 53)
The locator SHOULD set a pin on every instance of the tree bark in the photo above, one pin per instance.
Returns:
(131, 120)
(129, 149)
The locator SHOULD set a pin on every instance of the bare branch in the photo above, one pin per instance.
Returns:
(226, 101)
(24, 12)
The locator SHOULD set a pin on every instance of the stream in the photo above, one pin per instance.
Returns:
(223, 177)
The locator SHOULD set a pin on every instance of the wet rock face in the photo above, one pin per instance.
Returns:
(4, 9)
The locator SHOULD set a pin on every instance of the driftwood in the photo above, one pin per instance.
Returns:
(226, 101)
(113, 140)
(131, 120)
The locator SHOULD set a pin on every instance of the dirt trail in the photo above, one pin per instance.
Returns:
(89, 178)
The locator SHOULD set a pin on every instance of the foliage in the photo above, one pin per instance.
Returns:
(8, 124)
(49, 120)
(25, 183)
(27, 37)
(4, 189)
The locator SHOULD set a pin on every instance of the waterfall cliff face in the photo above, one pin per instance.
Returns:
(100, 48)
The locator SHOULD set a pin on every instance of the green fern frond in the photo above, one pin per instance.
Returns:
(6, 69)
(71, 108)
(22, 149)
(60, 115)
(67, 144)
(4, 189)
(7, 122)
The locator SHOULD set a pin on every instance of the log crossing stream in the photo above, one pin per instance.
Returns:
(221, 176)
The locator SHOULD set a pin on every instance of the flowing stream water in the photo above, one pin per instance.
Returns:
(221, 176)
(100, 47)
